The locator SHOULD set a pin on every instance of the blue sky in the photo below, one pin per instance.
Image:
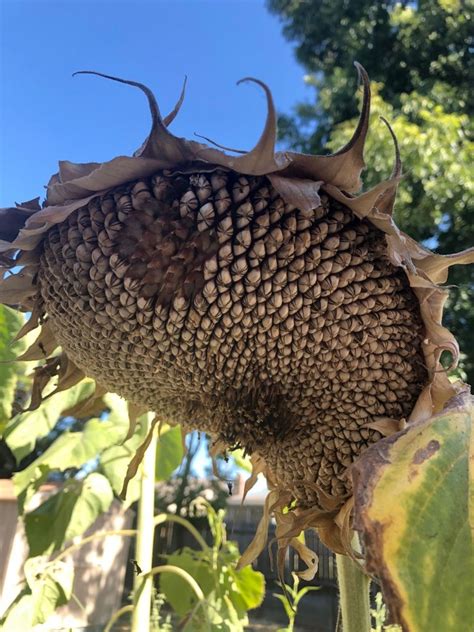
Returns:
(46, 115)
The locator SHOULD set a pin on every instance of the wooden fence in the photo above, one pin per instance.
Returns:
(241, 523)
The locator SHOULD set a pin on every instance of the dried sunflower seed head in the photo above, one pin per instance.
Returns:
(254, 297)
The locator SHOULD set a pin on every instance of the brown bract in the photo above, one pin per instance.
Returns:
(299, 179)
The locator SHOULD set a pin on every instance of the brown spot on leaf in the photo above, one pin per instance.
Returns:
(366, 471)
(375, 563)
(425, 453)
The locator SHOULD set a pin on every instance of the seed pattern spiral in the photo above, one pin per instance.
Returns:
(208, 298)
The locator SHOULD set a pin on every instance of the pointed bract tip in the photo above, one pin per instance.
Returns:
(358, 138)
(155, 110)
(362, 72)
(262, 156)
(397, 165)
(172, 115)
(259, 82)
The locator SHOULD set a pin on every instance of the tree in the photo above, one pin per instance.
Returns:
(418, 56)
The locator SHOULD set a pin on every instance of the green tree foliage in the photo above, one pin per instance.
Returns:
(419, 56)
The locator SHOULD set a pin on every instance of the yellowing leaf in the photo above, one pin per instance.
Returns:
(412, 493)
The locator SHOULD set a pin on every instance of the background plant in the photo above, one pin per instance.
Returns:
(290, 598)
(379, 616)
(229, 593)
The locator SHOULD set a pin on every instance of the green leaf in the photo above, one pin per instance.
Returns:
(67, 514)
(215, 520)
(304, 591)
(10, 323)
(241, 461)
(50, 585)
(169, 452)
(249, 589)
(118, 412)
(19, 614)
(177, 591)
(71, 449)
(286, 605)
(25, 429)
(222, 614)
(423, 551)
(230, 593)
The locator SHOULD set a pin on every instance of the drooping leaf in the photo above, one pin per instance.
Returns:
(67, 514)
(249, 589)
(10, 322)
(137, 458)
(23, 431)
(169, 452)
(412, 508)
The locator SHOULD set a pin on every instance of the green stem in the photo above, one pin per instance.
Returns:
(353, 595)
(166, 568)
(116, 615)
(143, 588)
(158, 519)
(95, 536)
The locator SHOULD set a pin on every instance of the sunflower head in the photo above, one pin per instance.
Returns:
(258, 297)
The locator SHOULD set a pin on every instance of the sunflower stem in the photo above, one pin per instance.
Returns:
(145, 533)
(353, 595)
